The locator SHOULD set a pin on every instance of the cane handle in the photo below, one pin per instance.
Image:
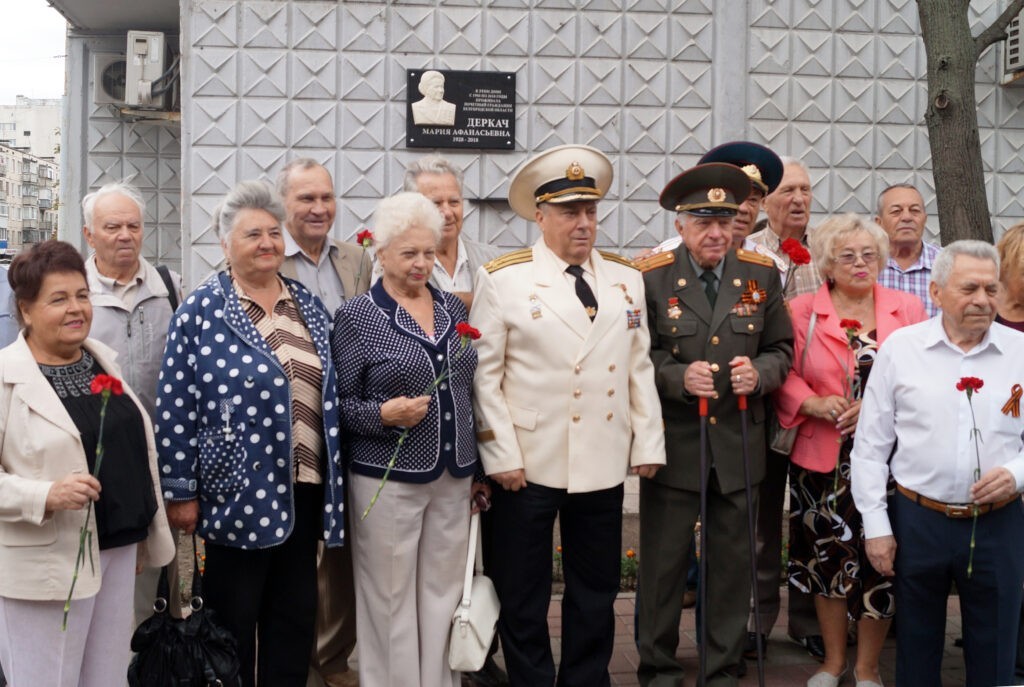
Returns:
(702, 406)
(742, 401)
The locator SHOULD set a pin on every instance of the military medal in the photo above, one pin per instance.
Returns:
(674, 311)
(754, 295)
(534, 307)
(625, 294)
(633, 318)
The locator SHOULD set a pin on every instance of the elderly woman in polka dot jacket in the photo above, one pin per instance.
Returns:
(248, 441)
(409, 552)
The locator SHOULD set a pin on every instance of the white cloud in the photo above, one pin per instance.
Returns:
(32, 45)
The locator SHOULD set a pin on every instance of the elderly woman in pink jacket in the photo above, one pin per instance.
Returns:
(838, 330)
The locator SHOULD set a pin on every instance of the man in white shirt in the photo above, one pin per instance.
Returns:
(945, 523)
(458, 258)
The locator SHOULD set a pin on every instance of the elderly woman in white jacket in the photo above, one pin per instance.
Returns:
(49, 428)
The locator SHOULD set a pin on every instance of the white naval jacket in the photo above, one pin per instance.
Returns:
(573, 402)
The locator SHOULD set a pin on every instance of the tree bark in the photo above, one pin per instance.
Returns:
(952, 120)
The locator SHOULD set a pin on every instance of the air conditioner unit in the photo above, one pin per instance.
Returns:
(1013, 49)
(146, 63)
(108, 78)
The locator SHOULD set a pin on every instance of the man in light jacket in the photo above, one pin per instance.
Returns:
(132, 304)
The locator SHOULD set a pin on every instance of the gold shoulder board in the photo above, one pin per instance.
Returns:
(513, 258)
(655, 261)
(755, 258)
(615, 257)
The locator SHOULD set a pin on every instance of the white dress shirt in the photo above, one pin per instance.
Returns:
(462, 279)
(911, 397)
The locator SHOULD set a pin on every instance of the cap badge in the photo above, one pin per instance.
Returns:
(574, 172)
(716, 195)
(753, 172)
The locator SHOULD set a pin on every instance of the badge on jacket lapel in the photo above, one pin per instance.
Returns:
(535, 312)
(674, 311)
(632, 318)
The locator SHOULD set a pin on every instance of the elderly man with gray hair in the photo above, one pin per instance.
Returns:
(336, 272)
(458, 258)
(941, 415)
(132, 304)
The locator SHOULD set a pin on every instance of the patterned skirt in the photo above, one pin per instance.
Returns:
(826, 542)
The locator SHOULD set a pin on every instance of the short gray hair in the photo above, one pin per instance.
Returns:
(943, 266)
(284, 176)
(403, 211)
(122, 188)
(824, 239)
(892, 187)
(431, 164)
(246, 195)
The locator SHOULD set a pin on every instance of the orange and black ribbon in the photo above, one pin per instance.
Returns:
(754, 295)
(1012, 406)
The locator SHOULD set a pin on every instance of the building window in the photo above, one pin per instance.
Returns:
(26, 133)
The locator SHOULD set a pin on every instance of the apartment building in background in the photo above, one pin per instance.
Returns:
(29, 189)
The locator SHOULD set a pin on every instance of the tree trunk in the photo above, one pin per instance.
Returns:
(952, 120)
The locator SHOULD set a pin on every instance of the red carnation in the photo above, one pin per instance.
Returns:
(850, 325)
(464, 329)
(105, 384)
(365, 238)
(970, 385)
(796, 251)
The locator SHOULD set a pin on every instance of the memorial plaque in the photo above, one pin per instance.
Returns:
(457, 109)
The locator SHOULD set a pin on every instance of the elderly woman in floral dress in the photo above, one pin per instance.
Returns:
(838, 330)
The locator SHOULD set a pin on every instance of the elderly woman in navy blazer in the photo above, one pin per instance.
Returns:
(248, 438)
(409, 552)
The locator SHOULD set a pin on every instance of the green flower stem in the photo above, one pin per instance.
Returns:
(84, 535)
(975, 434)
(445, 374)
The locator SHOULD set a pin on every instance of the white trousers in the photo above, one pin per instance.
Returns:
(409, 556)
(95, 649)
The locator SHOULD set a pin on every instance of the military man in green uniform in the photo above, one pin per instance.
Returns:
(719, 329)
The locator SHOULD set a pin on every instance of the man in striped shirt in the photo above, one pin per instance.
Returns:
(902, 214)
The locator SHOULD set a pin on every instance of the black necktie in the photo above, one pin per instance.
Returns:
(710, 285)
(583, 291)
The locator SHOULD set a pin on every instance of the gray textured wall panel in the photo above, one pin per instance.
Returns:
(654, 83)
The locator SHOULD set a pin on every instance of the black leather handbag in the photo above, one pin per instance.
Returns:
(183, 652)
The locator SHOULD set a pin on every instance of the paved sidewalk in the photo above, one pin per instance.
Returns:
(787, 665)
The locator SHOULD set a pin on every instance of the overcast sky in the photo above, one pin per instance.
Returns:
(31, 51)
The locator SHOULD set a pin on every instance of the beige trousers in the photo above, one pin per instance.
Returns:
(336, 608)
(409, 556)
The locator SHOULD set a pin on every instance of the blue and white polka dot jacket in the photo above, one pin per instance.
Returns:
(224, 420)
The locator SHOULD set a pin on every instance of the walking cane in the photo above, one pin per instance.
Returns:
(742, 400)
(702, 584)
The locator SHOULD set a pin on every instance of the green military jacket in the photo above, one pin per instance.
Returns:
(749, 319)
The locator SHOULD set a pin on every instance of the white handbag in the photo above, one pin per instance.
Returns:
(475, 618)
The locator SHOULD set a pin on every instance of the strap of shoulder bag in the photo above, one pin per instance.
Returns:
(172, 290)
(474, 558)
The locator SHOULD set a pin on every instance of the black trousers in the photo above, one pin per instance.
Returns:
(268, 597)
(932, 551)
(591, 528)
